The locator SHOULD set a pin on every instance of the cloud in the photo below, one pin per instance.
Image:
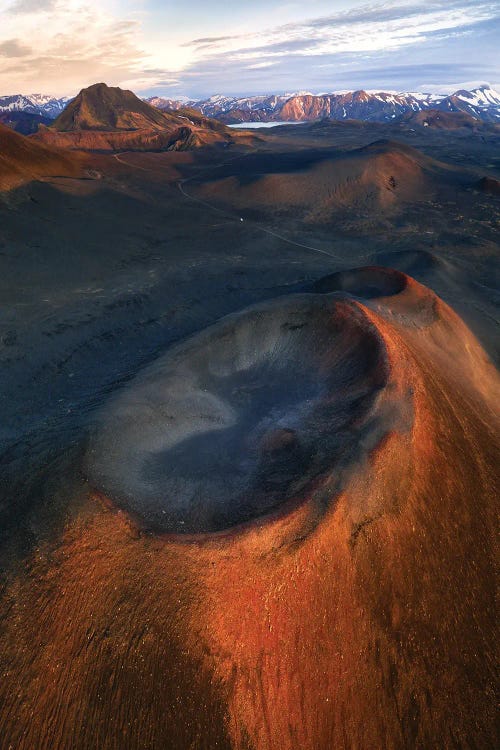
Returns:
(349, 40)
(369, 28)
(32, 6)
(256, 66)
(207, 41)
(13, 48)
(82, 41)
(88, 40)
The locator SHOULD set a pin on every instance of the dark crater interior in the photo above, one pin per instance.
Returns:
(368, 282)
(241, 418)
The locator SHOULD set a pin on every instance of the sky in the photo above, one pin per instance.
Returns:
(200, 48)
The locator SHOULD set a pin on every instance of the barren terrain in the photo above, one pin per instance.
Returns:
(250, 443)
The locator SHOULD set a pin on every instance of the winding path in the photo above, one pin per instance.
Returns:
(228, 214)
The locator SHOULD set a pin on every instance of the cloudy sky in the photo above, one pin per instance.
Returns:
(202, 47)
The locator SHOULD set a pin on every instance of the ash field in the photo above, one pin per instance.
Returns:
(250, 439)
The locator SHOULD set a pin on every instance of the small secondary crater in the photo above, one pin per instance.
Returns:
(368, 282)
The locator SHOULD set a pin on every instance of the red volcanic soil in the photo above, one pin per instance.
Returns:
(363, 617)
(22, 160)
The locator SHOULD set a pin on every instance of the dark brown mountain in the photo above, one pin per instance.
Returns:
(102, 107)
(103, 118)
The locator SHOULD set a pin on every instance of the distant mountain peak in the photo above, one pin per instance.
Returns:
(103, 107)
(108, 118)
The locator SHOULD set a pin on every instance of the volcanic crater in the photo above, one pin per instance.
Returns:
(245, 417)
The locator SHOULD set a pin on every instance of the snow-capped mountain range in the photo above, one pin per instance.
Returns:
(482, 103)
(34, 104)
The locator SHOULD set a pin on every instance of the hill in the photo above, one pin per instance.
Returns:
(434, 118)
(103, 118)
(23, 160)
(382, 178)
(102, 107)
(23, 122)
